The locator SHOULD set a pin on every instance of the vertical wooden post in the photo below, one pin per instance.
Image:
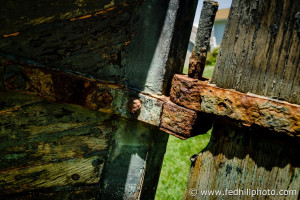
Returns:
(198, 58)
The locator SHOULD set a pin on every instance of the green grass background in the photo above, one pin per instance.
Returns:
(176, 166)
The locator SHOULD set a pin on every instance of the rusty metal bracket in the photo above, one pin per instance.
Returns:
(235, 107)
(107, 97)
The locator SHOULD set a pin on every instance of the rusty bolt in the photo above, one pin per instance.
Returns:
(134, 105)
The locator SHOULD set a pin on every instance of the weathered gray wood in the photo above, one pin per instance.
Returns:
(93, 45)
(260, 51)
(117, 41)
(259, 54)
(239, 159)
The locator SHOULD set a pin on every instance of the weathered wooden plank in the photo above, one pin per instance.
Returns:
(49, 145)
(93, 46)
(239, 159)
(158, 48)
(100, 96)
(261, 46)
(71, 172)
(19, 15)
(108, 40)
(96, 95)
(242, 109)
(46, 146)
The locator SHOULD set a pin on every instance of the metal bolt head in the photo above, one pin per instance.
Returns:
(134, 105)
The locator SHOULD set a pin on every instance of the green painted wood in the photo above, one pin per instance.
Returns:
(46, 145)
(139, 44)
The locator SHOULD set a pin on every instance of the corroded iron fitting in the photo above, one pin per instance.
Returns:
(198, 58)
(134, 105)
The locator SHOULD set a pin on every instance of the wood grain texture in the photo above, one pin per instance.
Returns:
(239, 159)
(124, 41)
(259, 54)
(87, 45)
(51, 175)
(55, 150)
(48, 145)
(260, 50)
(18, 15)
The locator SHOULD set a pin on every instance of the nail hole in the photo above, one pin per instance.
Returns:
(75, 177)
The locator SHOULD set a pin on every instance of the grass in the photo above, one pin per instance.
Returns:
(208, 71)
(176, 166)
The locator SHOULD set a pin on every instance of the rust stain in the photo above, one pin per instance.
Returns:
(12, 34)
(99, 12)
(183, 122)
(242, 109)
(82, 17)
(105, 11)
(41, 83)
(197, 65)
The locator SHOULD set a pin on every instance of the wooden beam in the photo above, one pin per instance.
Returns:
(102, 96)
